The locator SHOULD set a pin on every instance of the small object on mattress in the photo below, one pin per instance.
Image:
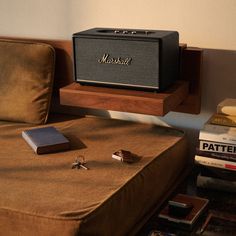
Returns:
(125, 156)
(46, 140)
(80, 163)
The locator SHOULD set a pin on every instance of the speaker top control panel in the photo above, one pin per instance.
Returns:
(120, 33)
(124, 31)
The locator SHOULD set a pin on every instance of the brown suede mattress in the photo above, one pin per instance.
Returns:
(43, 195)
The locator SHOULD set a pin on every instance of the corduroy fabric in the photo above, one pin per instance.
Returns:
(26, 80)
(41, 195)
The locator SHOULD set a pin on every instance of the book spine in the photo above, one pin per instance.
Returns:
(223, 120)
(215, 162)
(226, 110)
(218, 173)
(217, 155)
(217, 136)
(53, 148)
(217, 147)
(214, 128)
(215, 183)
(29, 141)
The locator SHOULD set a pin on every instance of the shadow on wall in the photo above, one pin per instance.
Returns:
(219, 77)
(218, 82)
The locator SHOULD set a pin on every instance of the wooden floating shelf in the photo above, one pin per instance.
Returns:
(151, 103)
(184, 96)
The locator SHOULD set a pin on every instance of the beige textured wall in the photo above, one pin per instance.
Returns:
(202, 23)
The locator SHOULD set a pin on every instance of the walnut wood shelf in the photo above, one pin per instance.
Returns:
(151, 103)
(184, 96)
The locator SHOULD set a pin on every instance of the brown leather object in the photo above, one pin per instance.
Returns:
(26, 80)
(42, 195)
(126, 156)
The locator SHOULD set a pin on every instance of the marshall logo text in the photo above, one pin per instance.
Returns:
(106, 59)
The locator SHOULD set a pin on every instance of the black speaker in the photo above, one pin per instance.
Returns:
(137, 59)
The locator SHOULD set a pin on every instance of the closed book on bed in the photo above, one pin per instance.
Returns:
(46, 140)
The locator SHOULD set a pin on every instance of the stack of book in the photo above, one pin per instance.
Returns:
(216, 152)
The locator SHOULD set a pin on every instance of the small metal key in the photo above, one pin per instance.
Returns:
(80, 163)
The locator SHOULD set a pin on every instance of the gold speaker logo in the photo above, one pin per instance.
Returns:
(106, 59)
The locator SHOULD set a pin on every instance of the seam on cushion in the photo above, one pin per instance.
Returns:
(15, 224)
(19, 41)
(52, 74)
(26, 42)
(40, 216)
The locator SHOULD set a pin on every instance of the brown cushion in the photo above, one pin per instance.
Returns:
(26, 78)
(43, 195)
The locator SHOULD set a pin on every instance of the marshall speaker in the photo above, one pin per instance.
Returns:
(138, 59)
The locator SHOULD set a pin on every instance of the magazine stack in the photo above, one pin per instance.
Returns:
(216, 152)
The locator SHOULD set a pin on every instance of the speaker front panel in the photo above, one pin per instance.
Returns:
(117, 62)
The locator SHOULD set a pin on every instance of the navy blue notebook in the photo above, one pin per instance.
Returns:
(46, 140)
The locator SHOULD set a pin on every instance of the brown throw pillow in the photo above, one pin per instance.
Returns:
(26, 80)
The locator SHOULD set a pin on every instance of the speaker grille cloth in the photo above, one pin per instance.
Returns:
(142, 71)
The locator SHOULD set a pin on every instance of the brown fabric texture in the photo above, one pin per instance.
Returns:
(26, 80)
(42, 195)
